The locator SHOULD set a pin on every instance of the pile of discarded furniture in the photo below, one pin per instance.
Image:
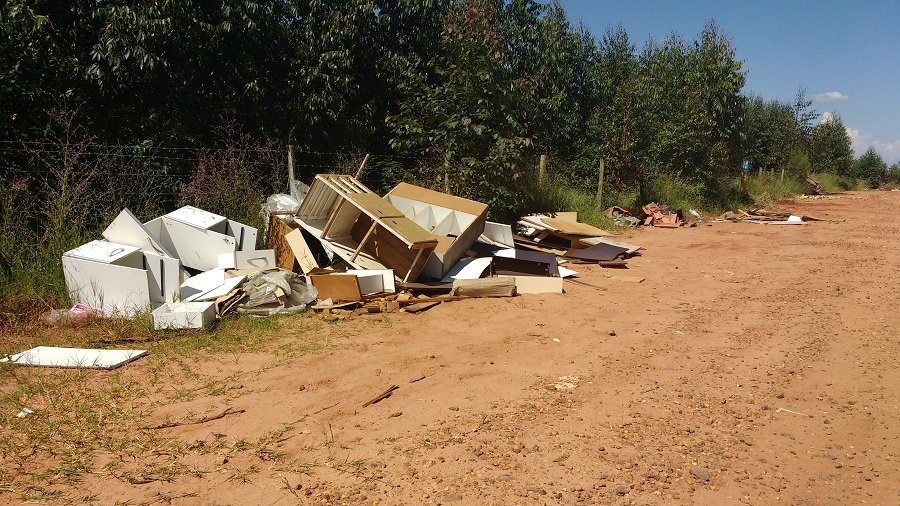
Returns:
(334, 246)
(189, 267)
(415, 247)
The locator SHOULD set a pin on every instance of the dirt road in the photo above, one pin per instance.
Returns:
(755, 364)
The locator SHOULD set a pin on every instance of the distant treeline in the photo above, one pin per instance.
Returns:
(460, 94)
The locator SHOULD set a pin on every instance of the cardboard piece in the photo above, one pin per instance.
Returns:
(337, 287)
(184, 315)
(284, 256)
(82, 358)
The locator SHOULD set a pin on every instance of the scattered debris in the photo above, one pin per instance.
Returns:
(382, 396)
(656, 215)
(24, 412)
(208, 418)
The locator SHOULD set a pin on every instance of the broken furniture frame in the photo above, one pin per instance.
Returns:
(362, 228)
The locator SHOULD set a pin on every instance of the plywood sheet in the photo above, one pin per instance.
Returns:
(337, 287)
(83, 358)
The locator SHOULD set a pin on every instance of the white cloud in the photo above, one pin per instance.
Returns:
(827, 117)
(860, 141)
(830, 96)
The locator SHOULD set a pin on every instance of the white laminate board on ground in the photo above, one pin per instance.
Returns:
(49, 356)
(184, 315)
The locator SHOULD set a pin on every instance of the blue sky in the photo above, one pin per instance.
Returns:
(845, 53)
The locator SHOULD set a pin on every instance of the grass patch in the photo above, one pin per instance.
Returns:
(554, 195)
(88, 421)
(767, 189)
(832, 183)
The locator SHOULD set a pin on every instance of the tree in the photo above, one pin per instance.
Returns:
(831, 149)
(470, 122)
(871, 168)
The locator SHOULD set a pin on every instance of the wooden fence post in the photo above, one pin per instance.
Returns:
(290, 166)
(782, 174)
(542, 170)
(600, 184)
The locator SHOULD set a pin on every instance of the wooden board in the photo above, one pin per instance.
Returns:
(301, 251)
(337, 287)
(484, 287)
(536, 284)
(574, 227)
(284, 256)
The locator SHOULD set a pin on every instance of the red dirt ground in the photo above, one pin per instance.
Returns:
(755, 364)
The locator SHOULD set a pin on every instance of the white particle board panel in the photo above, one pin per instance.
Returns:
(498, 234)
(184, 315)
(86, 358)
(227, 286)
(247, 259)
(244, 235)
(388, 282)
(127, 229)
(195, 217)
(196, 248)
(164, 274)
(202, 283)
(467, 268)
(108, 253)
(115, 290)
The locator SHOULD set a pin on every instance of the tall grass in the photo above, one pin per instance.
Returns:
(63, 192)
